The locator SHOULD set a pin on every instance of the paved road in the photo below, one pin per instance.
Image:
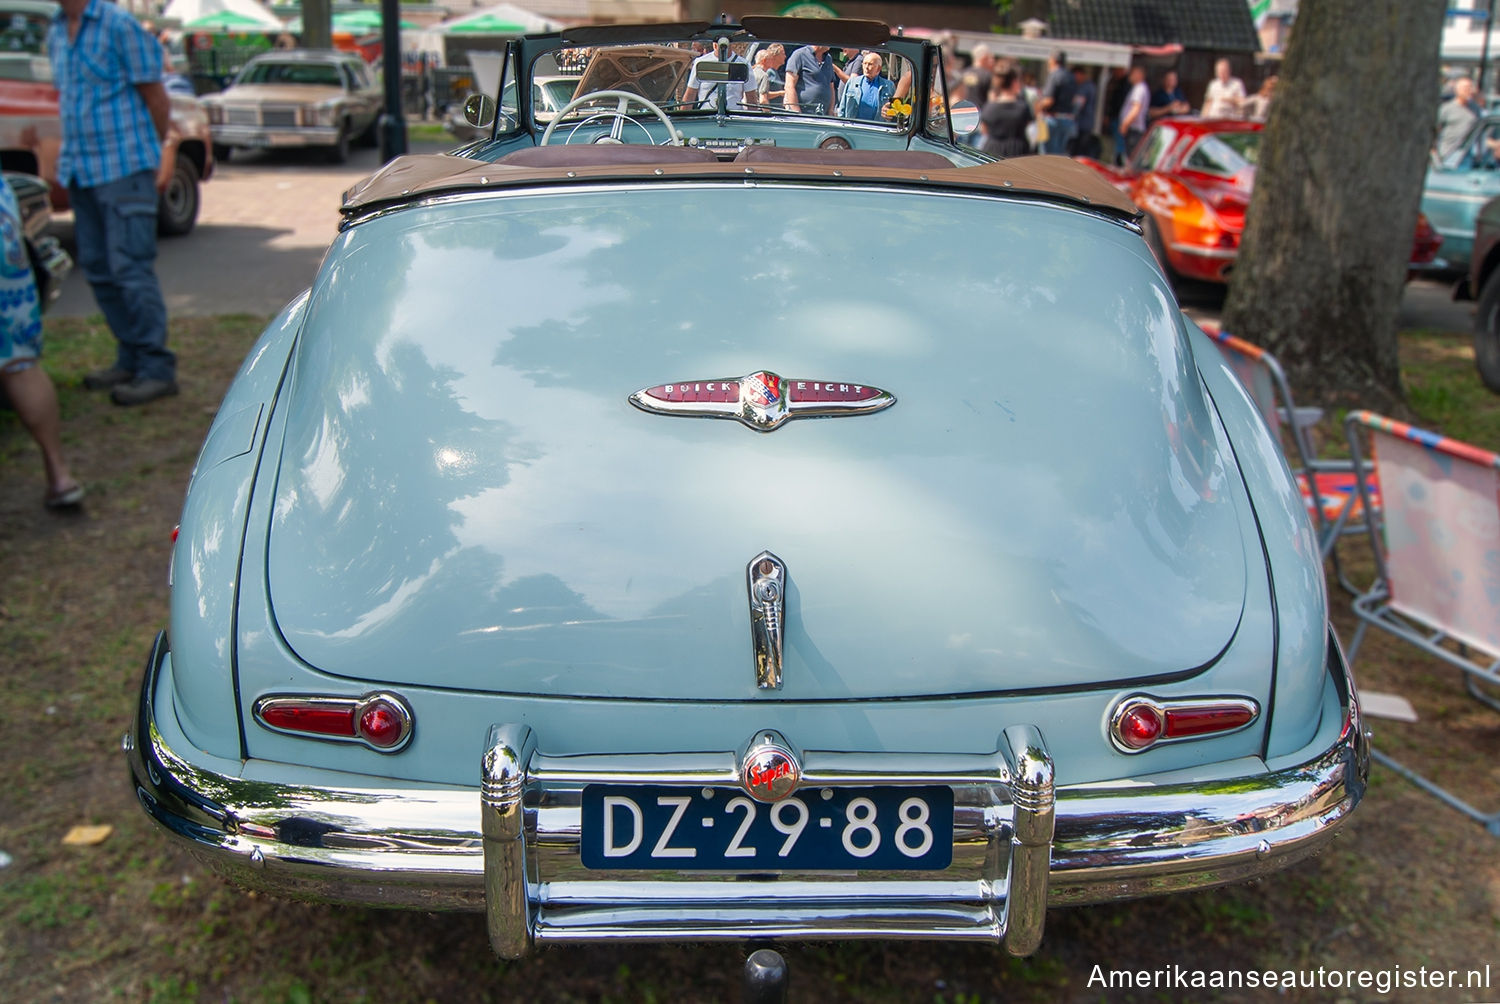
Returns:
(265, 221)
(1427, 303)
(267, 218)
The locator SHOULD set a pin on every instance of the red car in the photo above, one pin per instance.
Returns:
(1192, 178)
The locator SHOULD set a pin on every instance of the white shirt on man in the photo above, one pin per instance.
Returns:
(1224, 99)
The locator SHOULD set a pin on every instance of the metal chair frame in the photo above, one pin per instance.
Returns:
(1374, 606)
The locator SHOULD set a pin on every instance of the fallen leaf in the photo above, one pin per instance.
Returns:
(88, 836)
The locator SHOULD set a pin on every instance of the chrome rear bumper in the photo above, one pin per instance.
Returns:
(511, 847)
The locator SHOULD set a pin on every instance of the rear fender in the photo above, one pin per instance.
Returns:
(1299, 588)
(206, 557)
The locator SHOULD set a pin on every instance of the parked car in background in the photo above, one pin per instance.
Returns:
(31, 134)
(1483, 282)
(1193, 178)
(1457, 185)
(692, 537)
(298, 98)
(548, 95)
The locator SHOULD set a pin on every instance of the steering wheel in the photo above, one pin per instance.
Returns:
(618, 114)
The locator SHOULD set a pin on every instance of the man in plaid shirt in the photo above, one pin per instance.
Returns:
(115, 115)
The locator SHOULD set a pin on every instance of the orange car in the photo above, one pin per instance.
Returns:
(1193, 178)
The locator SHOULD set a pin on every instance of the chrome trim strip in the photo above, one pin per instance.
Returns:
(235, 134)
(562, 186)
(346, 838)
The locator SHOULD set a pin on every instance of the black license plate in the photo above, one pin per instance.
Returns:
(722, 829)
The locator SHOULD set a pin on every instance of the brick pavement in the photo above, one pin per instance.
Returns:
(265, 221)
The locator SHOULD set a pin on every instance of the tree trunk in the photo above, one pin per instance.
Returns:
(1330, 226)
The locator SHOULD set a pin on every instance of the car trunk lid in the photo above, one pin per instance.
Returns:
(467, 499)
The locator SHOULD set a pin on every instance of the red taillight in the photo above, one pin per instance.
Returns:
(1184, 723)
(1140, 726)
(382, 724)
(175, 530)
(381, 721)
(312, 718)
(1138, 723)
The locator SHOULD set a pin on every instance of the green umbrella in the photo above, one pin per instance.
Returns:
(360, 20)
(488, 24)
(226, 20)
(354, 22)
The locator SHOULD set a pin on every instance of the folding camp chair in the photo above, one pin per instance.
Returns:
(1436, 540)
(1327, 486)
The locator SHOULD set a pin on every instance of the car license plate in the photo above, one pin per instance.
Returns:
(721, 829)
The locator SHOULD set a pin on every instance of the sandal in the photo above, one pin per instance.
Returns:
(65, 498)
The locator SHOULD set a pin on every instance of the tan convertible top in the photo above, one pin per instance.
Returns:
(415, 176)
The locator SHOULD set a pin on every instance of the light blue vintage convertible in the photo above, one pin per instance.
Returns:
(697, 518)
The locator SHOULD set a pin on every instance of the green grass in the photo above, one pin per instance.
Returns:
(1444, 389)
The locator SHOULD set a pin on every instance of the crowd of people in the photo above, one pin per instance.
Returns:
(1067, 114)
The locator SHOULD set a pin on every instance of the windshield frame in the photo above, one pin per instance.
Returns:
(526, 50)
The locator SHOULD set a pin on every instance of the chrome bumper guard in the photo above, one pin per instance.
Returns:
(511, 849)
(275, 137)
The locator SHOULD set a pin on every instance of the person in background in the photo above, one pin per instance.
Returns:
(1085, 115)
(115, 114)
(769, 87)
(1004, 118)
(1056, 104)
(809, 80)
(852, 68)
(1114, 103)
(26, 384)
(1456, 117)
(1134, 115)
(1225, 97)
(978, 77)
(1169, 99)
(696, 95)
(868, 95)
(1258, 105)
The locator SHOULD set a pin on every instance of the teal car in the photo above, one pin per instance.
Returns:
(1457, 186)
(672, 521)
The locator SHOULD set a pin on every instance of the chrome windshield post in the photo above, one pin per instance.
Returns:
(1033, 801)
(507, 759)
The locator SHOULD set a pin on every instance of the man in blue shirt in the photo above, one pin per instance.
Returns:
(809, 80)
(115, 112)
(866, 95)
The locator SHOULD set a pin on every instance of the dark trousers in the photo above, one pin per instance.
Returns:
(115, 228)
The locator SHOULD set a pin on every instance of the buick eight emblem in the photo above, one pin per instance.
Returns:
(769, 770)
(762, 400)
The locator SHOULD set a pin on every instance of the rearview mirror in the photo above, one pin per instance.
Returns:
(965, 118)
(715, 71)
(479, 110)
